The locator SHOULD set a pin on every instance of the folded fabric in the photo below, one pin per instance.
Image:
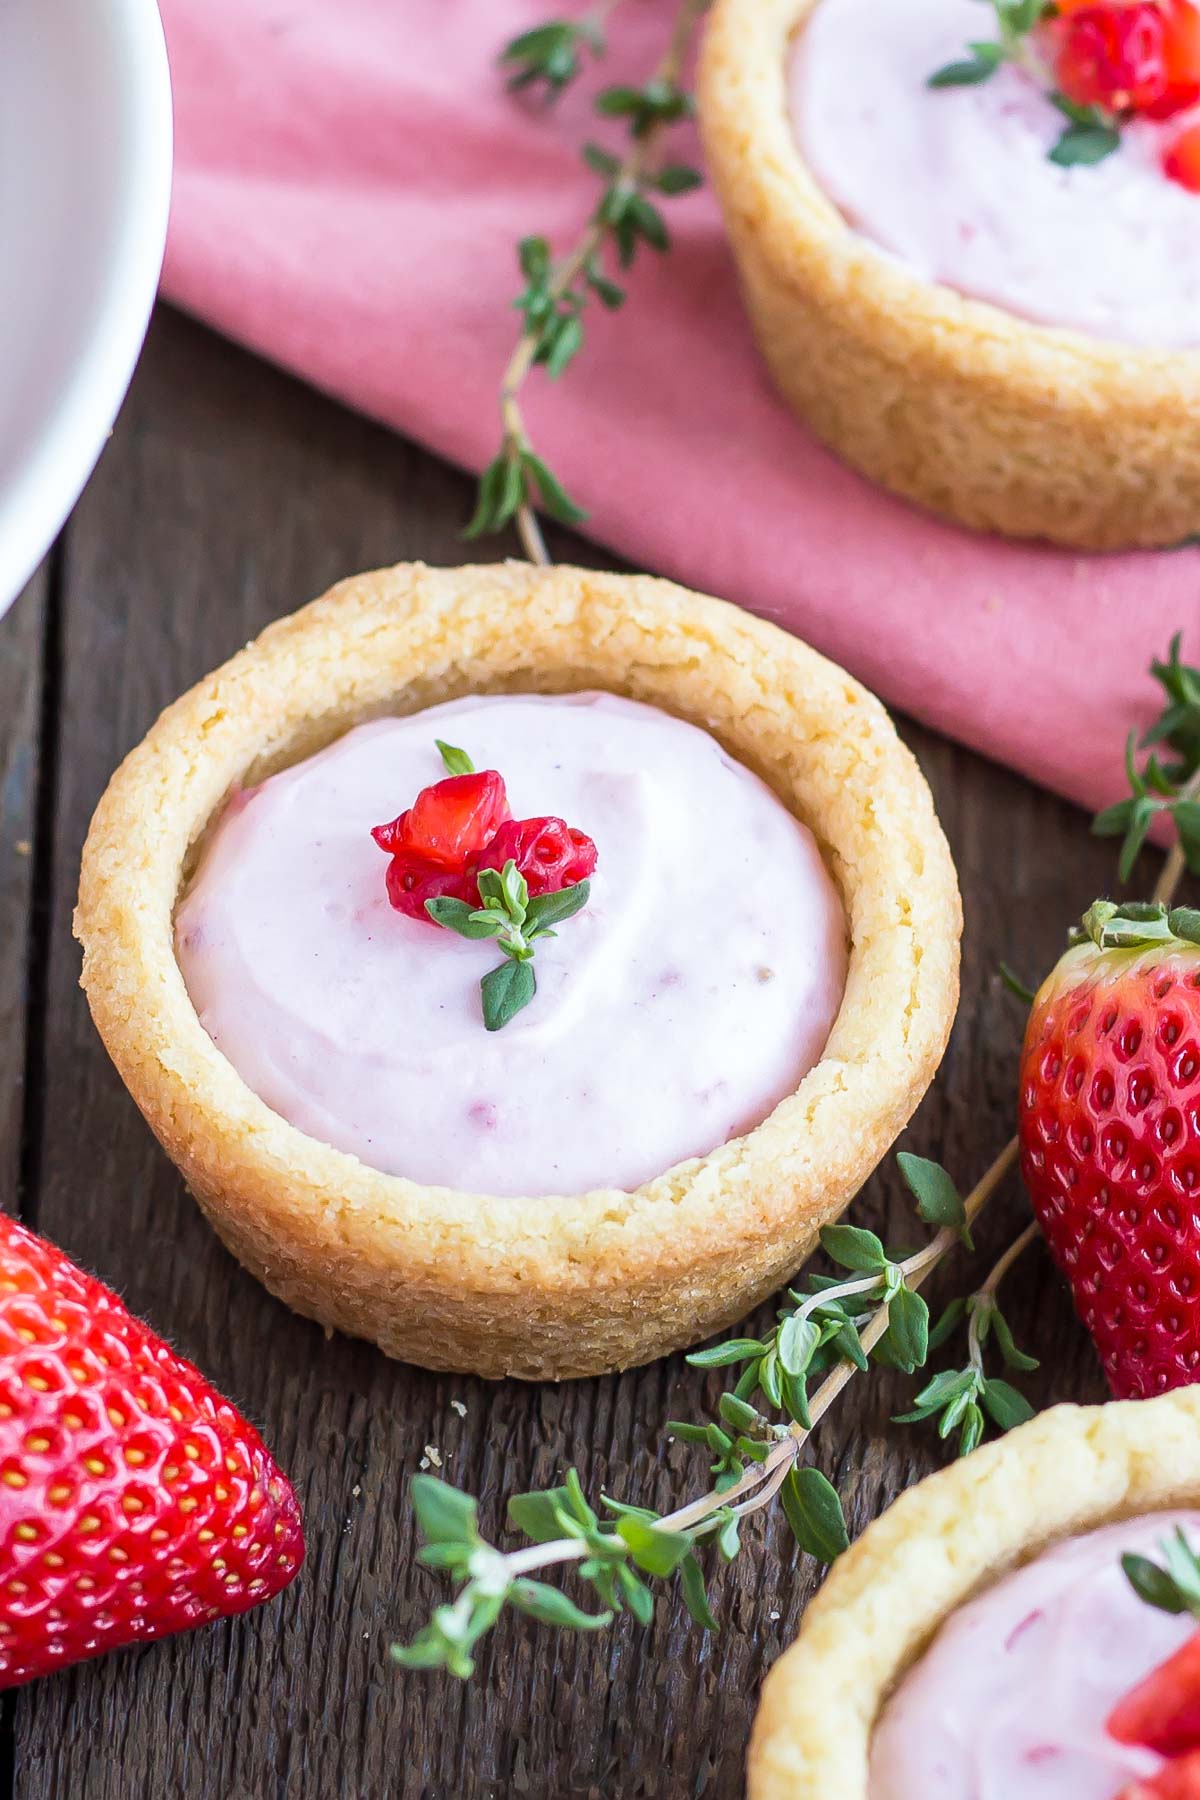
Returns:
(351, 182)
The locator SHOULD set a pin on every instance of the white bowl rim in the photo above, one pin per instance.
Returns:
(67, 445)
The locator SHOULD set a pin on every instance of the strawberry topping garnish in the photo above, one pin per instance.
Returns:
(450, 822)
(1182, 160)
(546, 851)
(1114, 57)
(134, 1500)
(1109, 1127)
(1101, 63)
(1163, 1712)
(1179, 1780)
(411, 881)
(1182, 42)
(461, 861)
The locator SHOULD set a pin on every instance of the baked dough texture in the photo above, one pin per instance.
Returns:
(566, 1285)
(1067, 1472)
(951, 402)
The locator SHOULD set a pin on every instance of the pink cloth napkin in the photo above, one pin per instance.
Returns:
(351, 181)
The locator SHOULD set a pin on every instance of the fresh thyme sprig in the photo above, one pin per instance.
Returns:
(1166, 784)
(558, 291)
(1015, 19)
(755, 1458)
(824, 1323)
(1173, 1588)
(553, 54)
(963, 1400)
(507, 915)
(517, 924)
(1089, 135)
(455, 761)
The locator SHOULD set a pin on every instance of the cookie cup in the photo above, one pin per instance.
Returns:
(1069, 1471)
(950, 402)
(555, 1285)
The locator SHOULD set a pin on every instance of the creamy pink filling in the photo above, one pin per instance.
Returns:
(956, 183)
(689, 997)
(1009, 1701)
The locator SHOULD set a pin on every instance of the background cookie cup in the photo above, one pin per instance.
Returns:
(1068, 1471)
(542, 1287)
(953, 403)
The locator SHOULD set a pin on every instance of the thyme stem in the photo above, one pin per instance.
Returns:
(637, 162)
(1173, 868)
(916, 1269)
(987, 1292)
(761, 1482)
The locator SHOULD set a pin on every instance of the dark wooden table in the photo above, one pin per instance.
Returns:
(228, 495)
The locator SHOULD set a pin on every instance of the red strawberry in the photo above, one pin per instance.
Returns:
(1182, 159)
(1181, 20)
(134, 1501)
(411, 881)
(1114, 57)
(547, 852)
(1163, 1712)
(1109, 1126)
(450, 821)
(1181, 56)
(1178, 1780)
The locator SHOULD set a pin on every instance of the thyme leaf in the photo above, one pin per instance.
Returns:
(516, 923)
(551, 55)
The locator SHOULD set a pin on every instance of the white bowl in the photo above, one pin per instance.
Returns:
(85, 179)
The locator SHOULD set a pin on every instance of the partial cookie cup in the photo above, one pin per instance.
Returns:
(950, 402)
(564, 1285)
(1067, 1472)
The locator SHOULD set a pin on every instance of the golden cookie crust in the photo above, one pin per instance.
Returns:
(1068, 1471)
(950, 402)
(545, 1287)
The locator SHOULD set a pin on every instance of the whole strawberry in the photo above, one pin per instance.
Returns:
(134, 1501)
(1109, 1127)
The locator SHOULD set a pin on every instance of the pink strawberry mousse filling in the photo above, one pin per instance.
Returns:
(674, 1012)
(1010, 1700)
(957, 185)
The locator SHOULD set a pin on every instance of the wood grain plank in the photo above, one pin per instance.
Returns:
(21, 675)
(229, 495)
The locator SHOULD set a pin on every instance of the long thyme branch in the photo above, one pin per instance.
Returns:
(918, 1267)
(557, 291)
(495, 1573)
(984, 1297)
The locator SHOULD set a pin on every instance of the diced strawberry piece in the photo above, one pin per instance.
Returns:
(1181, 43)
(411, 881)
(1179, 97)
(1182, 160)
(450, 821)
(1163, 1712)
(1179, 1780)
(1114, 57)
(390, 837)
(547, 852)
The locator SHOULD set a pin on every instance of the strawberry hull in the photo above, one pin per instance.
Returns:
(1109, 1129)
